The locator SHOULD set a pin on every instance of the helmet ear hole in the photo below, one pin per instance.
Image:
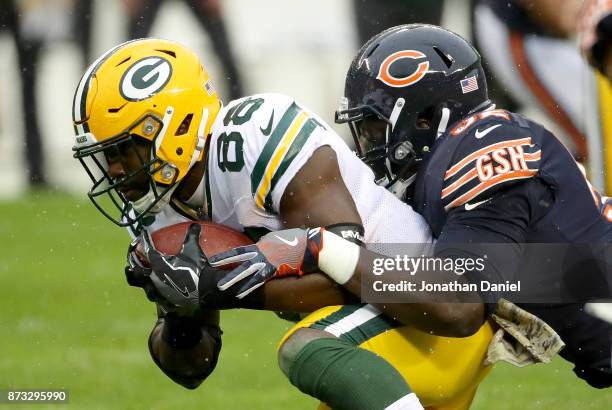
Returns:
(425, 118)
(184, 127)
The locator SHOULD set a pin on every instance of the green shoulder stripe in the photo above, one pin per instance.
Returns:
(283, 125)
(296, 146)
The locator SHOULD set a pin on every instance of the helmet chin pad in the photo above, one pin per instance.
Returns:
(153, 203)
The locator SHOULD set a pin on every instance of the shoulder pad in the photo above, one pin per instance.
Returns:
(286, 141)
(495, 151)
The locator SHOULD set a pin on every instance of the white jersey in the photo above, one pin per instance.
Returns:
(257, 146)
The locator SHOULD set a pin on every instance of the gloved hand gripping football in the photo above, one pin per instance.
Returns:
(171, 281)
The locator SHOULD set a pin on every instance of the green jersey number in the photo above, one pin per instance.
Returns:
(233, 143)
(226, 142)
(241, 113)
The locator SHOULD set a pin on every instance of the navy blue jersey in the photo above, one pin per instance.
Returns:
(497, 177)
(488, 153)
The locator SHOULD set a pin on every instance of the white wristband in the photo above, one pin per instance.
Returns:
(338, 258)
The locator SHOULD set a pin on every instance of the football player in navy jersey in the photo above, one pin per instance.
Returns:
(417, 104)
(482, 174)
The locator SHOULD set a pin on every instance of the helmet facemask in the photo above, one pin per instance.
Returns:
(370, 142)
(393, 146)
(141, 166)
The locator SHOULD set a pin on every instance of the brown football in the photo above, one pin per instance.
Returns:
(214, 238)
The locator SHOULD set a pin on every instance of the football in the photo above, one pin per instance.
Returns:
(214, 238)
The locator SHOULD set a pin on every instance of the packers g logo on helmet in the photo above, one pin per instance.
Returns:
(145, 78)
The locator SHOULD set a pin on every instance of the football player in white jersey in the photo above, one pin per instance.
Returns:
(161, 149)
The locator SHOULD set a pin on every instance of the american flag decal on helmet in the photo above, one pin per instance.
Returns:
(469, 84)
(210, 90)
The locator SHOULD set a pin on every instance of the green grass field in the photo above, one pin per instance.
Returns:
(69, 321)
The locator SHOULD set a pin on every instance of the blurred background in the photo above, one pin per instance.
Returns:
(297, 48)
(69, 321)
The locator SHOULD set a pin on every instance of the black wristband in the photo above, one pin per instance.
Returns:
(350, 231)
(181, 332)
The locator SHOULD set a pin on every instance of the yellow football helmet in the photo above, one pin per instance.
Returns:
(150, 89)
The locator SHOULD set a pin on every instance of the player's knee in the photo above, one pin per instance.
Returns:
(295, 343)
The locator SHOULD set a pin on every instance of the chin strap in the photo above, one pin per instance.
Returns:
(395, 113)
(398, 188)
(165, 123)
(445, 116)
(201, 142)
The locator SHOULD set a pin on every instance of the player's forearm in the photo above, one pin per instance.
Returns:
(558, 17)
(442, 319)
(449, 316)
(302, 294)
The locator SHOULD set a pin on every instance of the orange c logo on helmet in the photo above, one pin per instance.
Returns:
(385, 76)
